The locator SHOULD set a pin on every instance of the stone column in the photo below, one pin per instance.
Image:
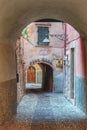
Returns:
(8, 94)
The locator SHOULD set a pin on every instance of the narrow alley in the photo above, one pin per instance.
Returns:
(43, 65)
(46, 111)
(47, 107)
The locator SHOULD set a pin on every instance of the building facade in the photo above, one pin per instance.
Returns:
(59, 46)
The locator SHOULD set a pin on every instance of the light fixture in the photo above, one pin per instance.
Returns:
(46, 41)
(65, 58)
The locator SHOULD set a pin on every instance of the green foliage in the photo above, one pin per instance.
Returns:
(25, 34)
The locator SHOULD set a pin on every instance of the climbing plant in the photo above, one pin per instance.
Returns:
(25, 34)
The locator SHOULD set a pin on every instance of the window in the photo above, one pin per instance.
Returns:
(43, 36)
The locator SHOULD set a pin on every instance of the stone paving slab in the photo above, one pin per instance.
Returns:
(47, 111)
(47, 107)
(59, 125)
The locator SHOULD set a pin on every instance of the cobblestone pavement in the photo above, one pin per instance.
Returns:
(47, 111)
(47, 107)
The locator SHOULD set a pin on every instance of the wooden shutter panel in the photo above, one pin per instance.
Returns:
(47, 32)
(39, 35)
(43, 32)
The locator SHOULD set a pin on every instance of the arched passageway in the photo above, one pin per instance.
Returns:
(19, 15)
(47, 78)
(40, 77)
(60, 48)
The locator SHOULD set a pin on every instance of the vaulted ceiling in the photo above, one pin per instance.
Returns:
(16, 14)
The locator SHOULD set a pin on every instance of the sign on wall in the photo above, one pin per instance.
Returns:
(43, 52)
(59, 62)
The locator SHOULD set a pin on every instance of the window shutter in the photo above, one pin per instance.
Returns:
(47, 32)
(43, 32)
(39, 35)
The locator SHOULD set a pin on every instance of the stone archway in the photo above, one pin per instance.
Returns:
(42, 60)
(47, 72)
(21, 13)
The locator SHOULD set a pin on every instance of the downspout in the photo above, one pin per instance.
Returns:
(65, 31)
(65, 39)
(64, 70)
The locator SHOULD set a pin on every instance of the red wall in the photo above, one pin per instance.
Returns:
(80, 58)
(80, 50)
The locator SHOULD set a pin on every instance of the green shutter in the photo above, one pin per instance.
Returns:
(39, 35)
(43, 32)
(47, 32)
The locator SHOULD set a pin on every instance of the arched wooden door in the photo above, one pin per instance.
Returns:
(31, 75)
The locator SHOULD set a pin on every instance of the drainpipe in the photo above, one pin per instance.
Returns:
(65, 40)
(65, 29)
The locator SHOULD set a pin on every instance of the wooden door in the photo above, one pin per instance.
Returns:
(31, 75)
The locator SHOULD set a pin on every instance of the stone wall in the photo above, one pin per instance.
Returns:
(8, 86)
(20, 70)
(8, 100)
